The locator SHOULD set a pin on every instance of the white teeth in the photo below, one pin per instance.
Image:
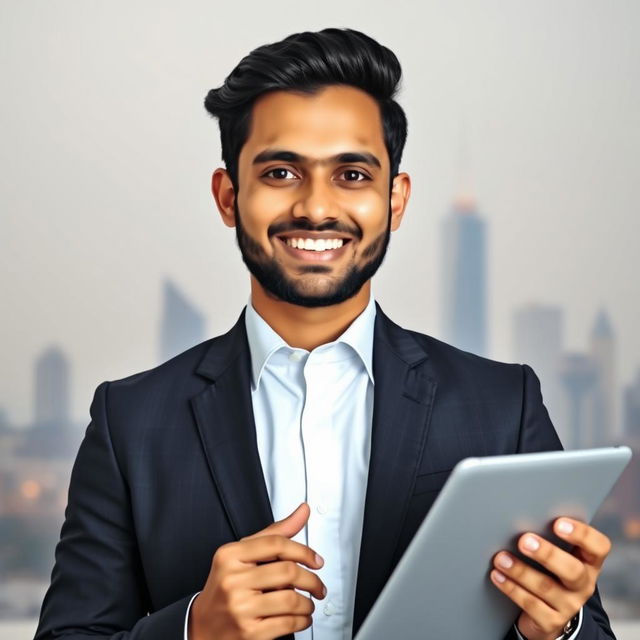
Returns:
(322, 244)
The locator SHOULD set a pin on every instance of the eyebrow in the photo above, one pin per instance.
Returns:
(290, 156)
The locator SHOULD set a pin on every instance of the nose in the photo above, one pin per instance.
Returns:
(316, 201)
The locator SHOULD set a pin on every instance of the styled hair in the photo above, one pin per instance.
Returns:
(307, 62)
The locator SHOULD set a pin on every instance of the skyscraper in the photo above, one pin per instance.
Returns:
(464, 320)
(578, 375)
(632, 409)
(602, 349)
(50, 435)
(52, 389)
(181, 324)
(538, 341)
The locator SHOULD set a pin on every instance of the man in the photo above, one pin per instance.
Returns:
(315, 409)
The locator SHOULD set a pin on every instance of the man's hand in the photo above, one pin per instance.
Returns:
(248, 600)
(548, 604)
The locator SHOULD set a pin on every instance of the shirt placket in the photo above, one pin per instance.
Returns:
(324, 494)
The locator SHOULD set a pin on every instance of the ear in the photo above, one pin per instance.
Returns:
(400, 192)
(224, 195)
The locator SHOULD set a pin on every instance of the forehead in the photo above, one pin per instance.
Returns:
(333, 119)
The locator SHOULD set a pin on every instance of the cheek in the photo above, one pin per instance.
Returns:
(370, 212)
(259, 208)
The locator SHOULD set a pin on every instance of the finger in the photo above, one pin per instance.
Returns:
(539, 584)
(594, 546)
(276, 626)
(289, 526)
(280, 603)
(267, 549)
(545, 617)
(280, 575)
(571, 571)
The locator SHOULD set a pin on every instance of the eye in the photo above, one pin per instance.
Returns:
(278, 173)
(353, 175)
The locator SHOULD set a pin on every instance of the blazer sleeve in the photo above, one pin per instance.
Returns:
(538, 434)
(97, 585)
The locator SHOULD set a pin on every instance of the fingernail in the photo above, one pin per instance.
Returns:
(324, 591)
(499, 577)
(564, 526)
(505, 561)
(531, 543)
(319, 560)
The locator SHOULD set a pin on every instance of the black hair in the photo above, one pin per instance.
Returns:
(307, 62)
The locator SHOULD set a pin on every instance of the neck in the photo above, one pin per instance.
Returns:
(308, 327)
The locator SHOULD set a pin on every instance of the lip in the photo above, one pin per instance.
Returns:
(314, 235)
(313, 256)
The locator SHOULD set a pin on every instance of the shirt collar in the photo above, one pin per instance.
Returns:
(264, 341)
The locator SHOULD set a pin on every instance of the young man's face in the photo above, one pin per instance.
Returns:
(313, 213)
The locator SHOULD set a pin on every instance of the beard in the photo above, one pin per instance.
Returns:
(273, 279)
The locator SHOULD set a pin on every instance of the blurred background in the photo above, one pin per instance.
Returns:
(520, 242)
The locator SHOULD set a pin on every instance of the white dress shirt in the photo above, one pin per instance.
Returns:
(313, 413)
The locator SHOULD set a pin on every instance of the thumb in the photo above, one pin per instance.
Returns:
(288, 526)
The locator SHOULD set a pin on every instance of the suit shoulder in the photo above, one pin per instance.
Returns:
(162, 389)
(152, 404)
(167, 372)
(451, 361)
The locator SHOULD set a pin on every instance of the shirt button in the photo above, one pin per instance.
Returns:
(295, 356)
(321, 509)
(328, 609)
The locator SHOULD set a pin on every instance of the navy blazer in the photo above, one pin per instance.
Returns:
(169, 470)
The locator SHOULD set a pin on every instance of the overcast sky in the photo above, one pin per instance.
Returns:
(107, 153)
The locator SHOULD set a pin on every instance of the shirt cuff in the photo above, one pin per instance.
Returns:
(186, 617)
(560, 637)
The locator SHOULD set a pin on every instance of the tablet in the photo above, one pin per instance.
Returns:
(441, 586)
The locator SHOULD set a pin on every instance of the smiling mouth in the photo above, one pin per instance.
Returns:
(314, 248)
(320, 244)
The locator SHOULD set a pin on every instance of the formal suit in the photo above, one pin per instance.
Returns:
(169, 470)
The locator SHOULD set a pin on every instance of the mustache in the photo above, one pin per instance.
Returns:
(305, 225)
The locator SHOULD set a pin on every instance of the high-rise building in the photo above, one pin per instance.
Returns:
(602, 349)
(52, 373)
(578, 374)
(464, 280)
(181, 324)
(50, 435)
(538, 342)
(632, 409)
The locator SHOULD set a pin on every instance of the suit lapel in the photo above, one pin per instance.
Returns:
(403, 398)
(224, 415)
